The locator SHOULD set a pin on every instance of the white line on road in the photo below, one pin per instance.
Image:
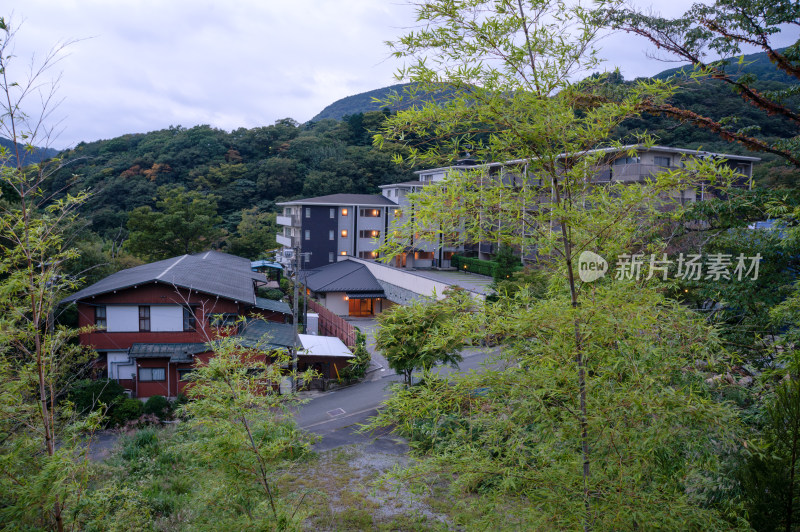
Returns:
(338, 418)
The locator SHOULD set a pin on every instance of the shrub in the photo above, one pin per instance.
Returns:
(359, 364)
(88, 394)
(127, 410)
(158, 405)
(270, 293)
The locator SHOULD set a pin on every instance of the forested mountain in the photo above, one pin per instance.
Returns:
(35, 156)
(244, 168)
(366, 102)
(252, 169)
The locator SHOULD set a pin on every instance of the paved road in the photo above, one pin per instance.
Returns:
(336, 415)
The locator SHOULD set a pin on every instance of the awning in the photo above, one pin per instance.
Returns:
(366, 295)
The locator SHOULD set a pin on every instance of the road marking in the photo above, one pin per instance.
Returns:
(336, 412)
(339, 418)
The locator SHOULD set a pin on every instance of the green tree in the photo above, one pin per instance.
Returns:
(255, 234)
(43, 463)
(509, 64)
(406, 334)
(185, 222)
(244, 430)
(722, 29)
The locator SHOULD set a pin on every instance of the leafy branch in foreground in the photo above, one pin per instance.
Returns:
(244, 429)
(42, 450)
(510, 64)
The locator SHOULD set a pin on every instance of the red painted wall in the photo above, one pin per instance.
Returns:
(153, 294)
(148, 389)
(161, 294)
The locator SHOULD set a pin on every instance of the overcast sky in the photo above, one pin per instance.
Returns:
(143, 65)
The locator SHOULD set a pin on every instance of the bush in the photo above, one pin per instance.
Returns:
(359, 364)
(270, 293)
(88, 394)
(127, 410)
(158, 405)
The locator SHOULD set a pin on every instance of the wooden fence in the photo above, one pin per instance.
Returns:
(332, 325)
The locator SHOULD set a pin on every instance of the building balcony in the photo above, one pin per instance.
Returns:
(286, 241)
(291, 221)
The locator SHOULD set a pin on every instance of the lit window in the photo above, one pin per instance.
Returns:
(344, 233)
(398, 213)
(100, 317)
(152, 374)
(343, 253)
(144, 319)
(344, 212)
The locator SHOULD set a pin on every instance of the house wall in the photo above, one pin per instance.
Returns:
(155, 295)
(149, 389)
(337, 303)
(119, 366)
(318, 222)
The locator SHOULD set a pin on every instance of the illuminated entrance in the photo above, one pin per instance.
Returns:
(363, 304)
(362, 307)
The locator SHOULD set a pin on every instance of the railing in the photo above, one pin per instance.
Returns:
(631, 172)
(332, 325)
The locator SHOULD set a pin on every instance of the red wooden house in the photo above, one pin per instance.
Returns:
(154, 321)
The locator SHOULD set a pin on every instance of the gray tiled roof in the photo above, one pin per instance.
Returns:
(271, 304)
(268, 335)
(344, 276)
(343, 199)
(406, 184)
(210, 272)
(175, 352)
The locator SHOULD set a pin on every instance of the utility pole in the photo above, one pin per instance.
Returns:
(297, 250)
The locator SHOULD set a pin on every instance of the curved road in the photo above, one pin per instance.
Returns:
(336, 415)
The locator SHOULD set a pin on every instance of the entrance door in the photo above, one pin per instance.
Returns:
(362, 307)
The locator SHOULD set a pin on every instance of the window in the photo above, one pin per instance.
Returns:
(661, 161)
(423, 255)
(398, 213)
(330, 256)
(308, 234)
(333, 212)
(185, 373)
(152, 374)
(144, 319)
(100, 317)
(308, 212)
(189, 319)
(343, 253)
(344, 212)
(331, 234)
(367, 254)
(223, 320)
(370, 213)
(344, 233)
(448, 255)
(369, 233)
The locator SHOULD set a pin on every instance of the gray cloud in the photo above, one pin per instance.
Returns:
(147, 64)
